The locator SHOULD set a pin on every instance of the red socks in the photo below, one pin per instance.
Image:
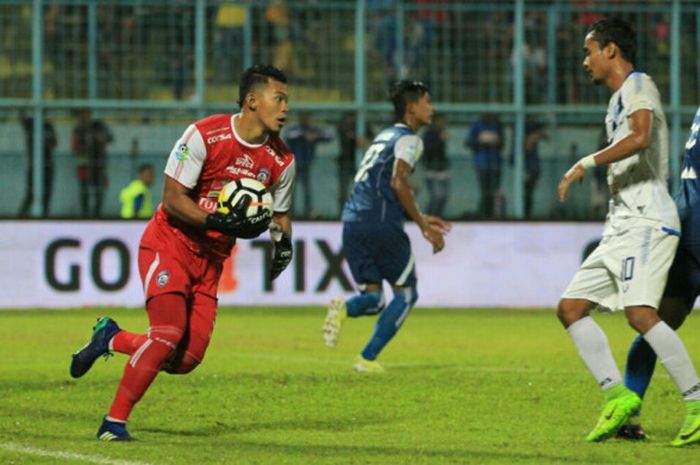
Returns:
(125, 342)
(167, 318)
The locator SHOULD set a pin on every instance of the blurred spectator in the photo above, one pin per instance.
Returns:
(230, 22)
(349, 143)
(534, 57)
(302, 139)
(383, 46)
(534, 133)
(136, 196)
(283, 55)
(437, 174)
(485, 139)
(179, 64)
(50, 142)
(65, 39)
(89, 140)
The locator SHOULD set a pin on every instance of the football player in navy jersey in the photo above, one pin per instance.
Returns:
(374, 242)
(682, 287)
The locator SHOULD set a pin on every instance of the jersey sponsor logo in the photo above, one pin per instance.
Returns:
(183, 152)
(207, 204)
(163, 278)
(219, 138)
(245, 161)
(240, 172)
(274, 154)
(263, 176)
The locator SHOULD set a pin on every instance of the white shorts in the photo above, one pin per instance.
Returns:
(627, 269)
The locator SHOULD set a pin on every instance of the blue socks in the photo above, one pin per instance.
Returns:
(641, 361)
(391, 320)
(367, 303)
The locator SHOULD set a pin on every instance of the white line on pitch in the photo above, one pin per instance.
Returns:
(59, 454)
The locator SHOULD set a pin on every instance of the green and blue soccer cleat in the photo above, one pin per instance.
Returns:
(83, 359)
(615, 413)
(690, 431)
(113, 431)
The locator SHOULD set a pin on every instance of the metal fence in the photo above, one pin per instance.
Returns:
(147, 68)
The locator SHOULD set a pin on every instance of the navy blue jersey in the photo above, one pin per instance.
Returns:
(689, 195)
(372, 198)
(684, 275)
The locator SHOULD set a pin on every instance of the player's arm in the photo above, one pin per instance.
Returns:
(179, 205)
(639, 138)
(182, 172)
(281, 225)
(402, 188)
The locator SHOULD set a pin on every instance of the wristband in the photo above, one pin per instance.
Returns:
(588, 162)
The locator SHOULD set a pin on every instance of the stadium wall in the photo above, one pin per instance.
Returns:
(64, 264)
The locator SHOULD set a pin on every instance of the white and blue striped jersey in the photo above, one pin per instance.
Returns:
(372, 198)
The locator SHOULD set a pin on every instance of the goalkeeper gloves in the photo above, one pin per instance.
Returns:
(236, 224)
(281, 256)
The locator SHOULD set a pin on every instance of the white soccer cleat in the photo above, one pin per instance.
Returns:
(334, 321)
(363, 365)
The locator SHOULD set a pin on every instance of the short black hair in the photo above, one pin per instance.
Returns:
(255, 75)
(403, 92)
(617, 31)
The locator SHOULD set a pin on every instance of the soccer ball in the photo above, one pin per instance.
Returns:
(234, 191)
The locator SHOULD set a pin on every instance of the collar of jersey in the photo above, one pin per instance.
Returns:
(240, 139)
(402, 125)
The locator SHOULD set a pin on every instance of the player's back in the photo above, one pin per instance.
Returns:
(372, 198)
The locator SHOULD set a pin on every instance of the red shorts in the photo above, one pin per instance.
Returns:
(166, 265)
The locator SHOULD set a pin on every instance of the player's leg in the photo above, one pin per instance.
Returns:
(397, 265)
(641, 362)
(201, 319)
(167, 314)
(388, 325)
(190, 353)
(166, 283)
(358, 250)
(645, 283)
(676, 303)
(592, 285)
(370, 301)
(84, 191)
(672, 353)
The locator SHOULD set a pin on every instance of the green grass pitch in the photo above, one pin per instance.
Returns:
(476, 386)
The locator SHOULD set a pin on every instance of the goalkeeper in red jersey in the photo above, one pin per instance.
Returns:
(182, 250)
